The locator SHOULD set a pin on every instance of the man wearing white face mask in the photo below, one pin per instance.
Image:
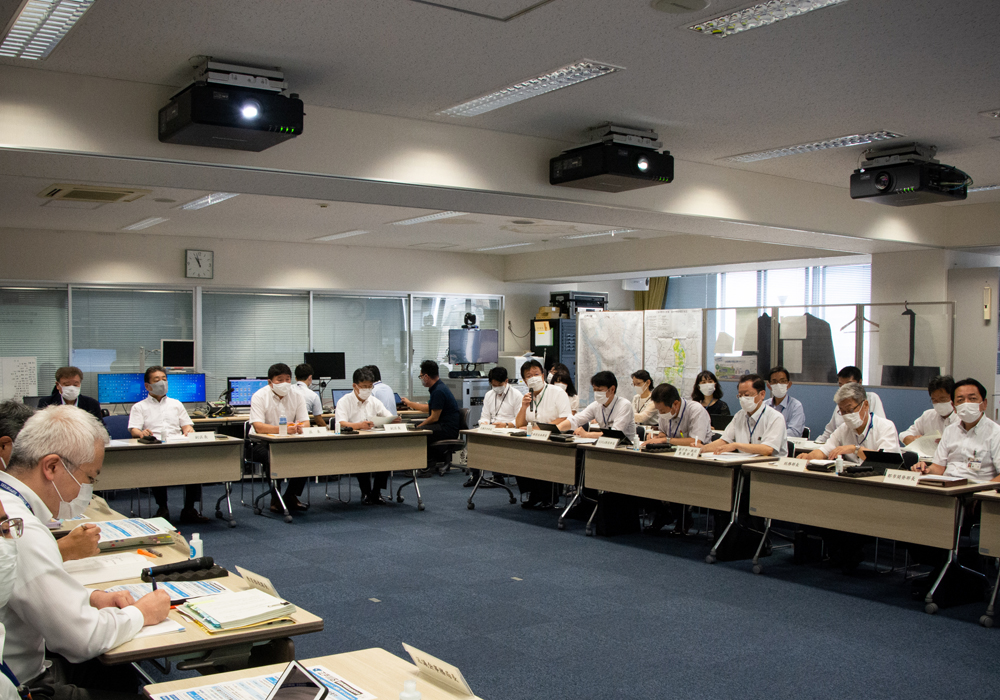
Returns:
(56, 627)
(862, 429)
(67, 393)
(934, 420)
(969, 448)
(847, 375)
(756, 428)
(789, 407)
(356, 410)
(544, 403)
(267, 406)
(164, 418)
(608, 410)
(10, 530)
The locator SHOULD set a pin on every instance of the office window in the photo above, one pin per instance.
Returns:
(368, 330)
(33, 323)
(433, 317)
(245, 333)
(113, 328)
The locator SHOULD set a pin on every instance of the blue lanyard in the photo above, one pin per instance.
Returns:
(10, 489)
(680, 418)
(755, 424)
(604, 415)
(5, 669)
(871, 423)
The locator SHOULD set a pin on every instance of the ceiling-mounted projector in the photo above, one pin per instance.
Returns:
(905, 175)
(615, 159)
(230, 106)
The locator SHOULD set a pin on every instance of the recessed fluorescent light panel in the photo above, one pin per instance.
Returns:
(533, 87)
(429, 217)
(612, 232)
(346, 234)
(40, 26)
(499, 247)
(984, 188)
(839, 142)
(145, 223)
(209, 200)
(759, 16)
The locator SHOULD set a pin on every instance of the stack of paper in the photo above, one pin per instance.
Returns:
(133, 532)
(100, 569)
(230, 611)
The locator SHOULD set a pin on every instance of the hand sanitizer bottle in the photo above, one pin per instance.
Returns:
(336, 425)
(410, 691)
(531, 427)
(197, 546)
(838, 464)
(636, 443)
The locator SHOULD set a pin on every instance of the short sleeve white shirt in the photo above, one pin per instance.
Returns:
(765, 427)
(692, 421)
(267, 407)
(309, 397)
(164, 417)
(351, 409)
(501, 405)
(837, 420)
(960, 450)
(551, 406)
(617, 416)
(644, 410)
(879, 435)
(929, 423)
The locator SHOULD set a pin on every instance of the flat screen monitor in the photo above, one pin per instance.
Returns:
(186, 388)
(243, 390)
(328, 365)
(470, 347)
(130, 387)
(177, 354)
(338, 394)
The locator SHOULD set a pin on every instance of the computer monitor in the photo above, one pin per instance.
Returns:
(243, 390)
(472, 347)
(177, 354)
(121, 388)
(328, 365)
(338, 394)
(186, 388)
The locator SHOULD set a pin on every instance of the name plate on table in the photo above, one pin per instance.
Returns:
(315, 430)
(689, 451)
(902, 476)
(539, 434)
(609, 442)
(202, 437)
(395, 427)
(792, 463)
(487, 428)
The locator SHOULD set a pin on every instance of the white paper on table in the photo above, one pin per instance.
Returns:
(178, 438)
(925, 445)
(382, 420)
(746, 330)
(792, 352)
(100, 569)
(792, 328)
(119, 443)
(584, 440)
(177, 590)
(165, 627)
(727, 456)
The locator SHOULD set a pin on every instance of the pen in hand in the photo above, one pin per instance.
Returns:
(151, 579)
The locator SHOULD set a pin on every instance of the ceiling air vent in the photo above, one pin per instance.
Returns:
(92, 193)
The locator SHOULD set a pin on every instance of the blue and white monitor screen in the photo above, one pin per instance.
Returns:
(469, 347)
(186, 388)
(243, 390)
(130, 388)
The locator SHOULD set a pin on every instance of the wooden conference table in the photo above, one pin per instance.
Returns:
(131, 465)
(375, 670)
(989, 542)
(924, 515)
(329, 454)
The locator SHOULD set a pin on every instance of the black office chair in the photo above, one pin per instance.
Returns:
(805, 432)
(447, 448)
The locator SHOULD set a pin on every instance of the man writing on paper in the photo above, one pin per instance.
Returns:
(862, 429)
(67, 393)
(756, 428)
(82, 541)
(10, 530)
(789, 407)
(500, 406)
(56, 461)
(608, 409)
(165, 418)
(268, 406)
(356, 410)
(934, 420)
(848, 375)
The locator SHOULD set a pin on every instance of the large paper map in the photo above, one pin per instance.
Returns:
(608, 341)
(673, 343)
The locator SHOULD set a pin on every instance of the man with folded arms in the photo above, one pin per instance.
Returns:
(55, 627)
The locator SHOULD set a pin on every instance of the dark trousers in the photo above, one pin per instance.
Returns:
(90, 680)
(536, 488)
(439, 432)
(260, 453)
(192, 495)
(377, 479)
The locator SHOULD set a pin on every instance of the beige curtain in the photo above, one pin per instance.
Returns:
(653, 299)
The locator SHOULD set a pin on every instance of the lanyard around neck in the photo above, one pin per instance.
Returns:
(535, 403)
(762, 407)
(10, 489)
(684, 407)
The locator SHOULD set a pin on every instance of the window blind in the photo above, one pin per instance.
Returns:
(33, 323)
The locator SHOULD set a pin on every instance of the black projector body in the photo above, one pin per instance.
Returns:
(906, 184)
(213, 115)
(611, 167)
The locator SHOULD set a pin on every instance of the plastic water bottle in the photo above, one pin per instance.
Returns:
(531, 427)
(410, 691)
(336, 425)
(636, 443)
(838, 464)
(196, 545)
(283, 425)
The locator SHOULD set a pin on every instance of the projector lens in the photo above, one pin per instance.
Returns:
(883, 181)
(642, 164)
(250, 110)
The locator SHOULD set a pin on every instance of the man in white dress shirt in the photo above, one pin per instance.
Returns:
(934, 420)
(500, 407)
(382, 391)
(9, 532)
(756, 428)
(607, 409)
(268, 406)
(57, 459)
(862, 429)
(303, 387)
(164, 418)
(544, 403)
(356, 410)
(848, 375)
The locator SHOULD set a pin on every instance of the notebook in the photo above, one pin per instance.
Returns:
(230, 611)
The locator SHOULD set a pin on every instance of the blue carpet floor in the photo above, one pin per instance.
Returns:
(527, 611)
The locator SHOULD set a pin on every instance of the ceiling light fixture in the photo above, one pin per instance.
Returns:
(145, 223)
(429, 217)
(838, 142)
(208, 200)
(612, 232)
(40, 26)
(983, 188)
(498, 247)
(533, 87)
(346, 234)
(759, 16)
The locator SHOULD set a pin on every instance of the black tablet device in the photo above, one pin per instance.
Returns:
(612, 433)
(551, 427)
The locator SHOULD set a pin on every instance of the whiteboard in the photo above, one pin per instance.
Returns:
(18, 377)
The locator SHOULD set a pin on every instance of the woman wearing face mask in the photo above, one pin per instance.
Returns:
(10, 530)
(643, 408)
(862, 429)
(708, 392)
(564, 381)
